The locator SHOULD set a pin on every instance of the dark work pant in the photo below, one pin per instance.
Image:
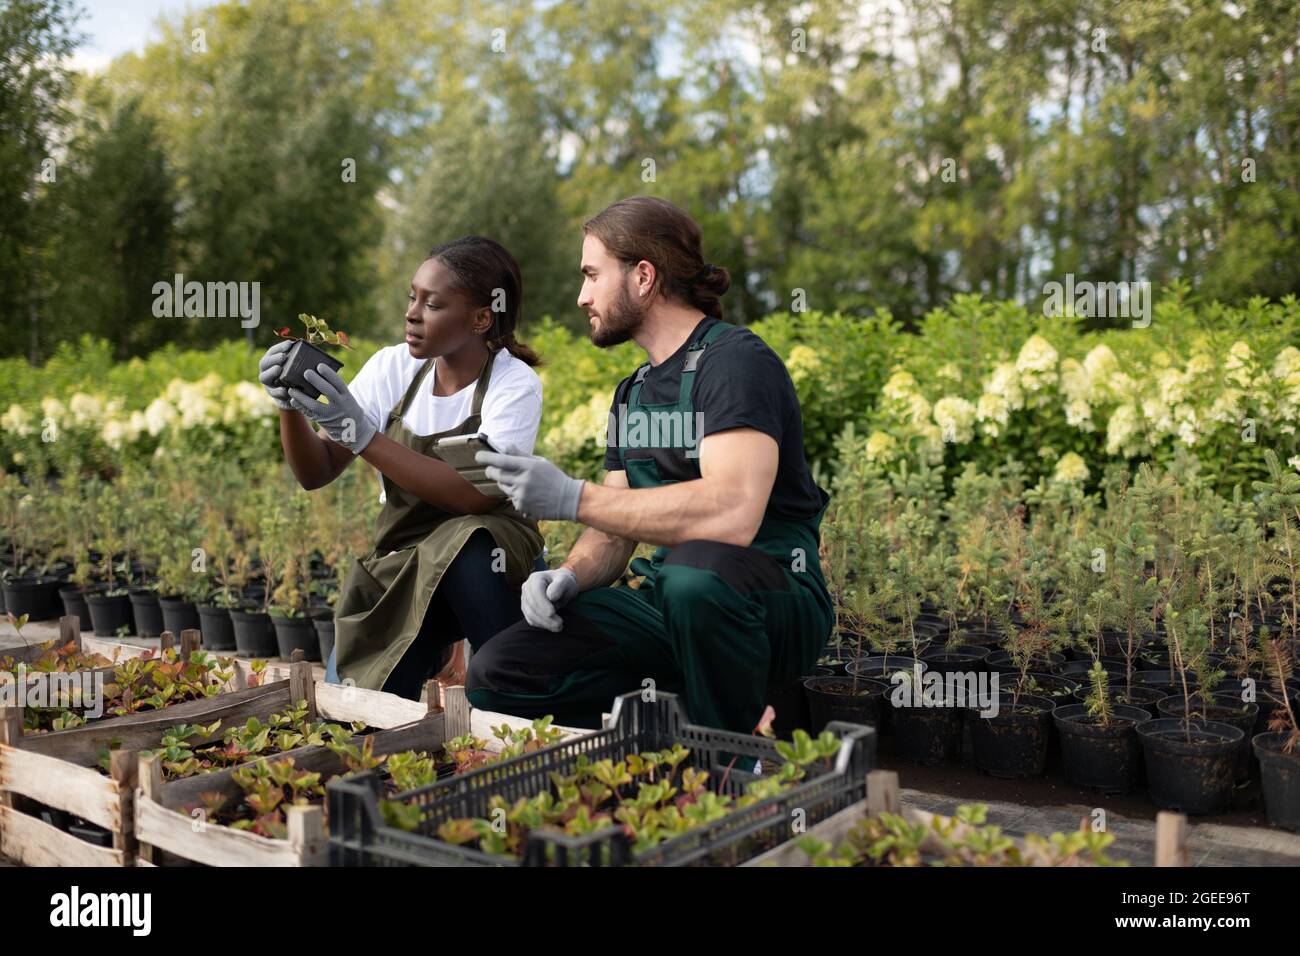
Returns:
(715, 623)
(470, 602)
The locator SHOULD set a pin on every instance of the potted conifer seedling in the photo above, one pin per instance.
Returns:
(305, 353)
(1278, 750)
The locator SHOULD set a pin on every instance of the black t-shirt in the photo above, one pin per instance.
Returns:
(739, 383)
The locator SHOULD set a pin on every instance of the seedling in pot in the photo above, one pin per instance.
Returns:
(304, 354)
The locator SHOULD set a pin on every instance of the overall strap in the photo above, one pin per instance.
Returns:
(480, 390)
(693, 354)
(411, 391)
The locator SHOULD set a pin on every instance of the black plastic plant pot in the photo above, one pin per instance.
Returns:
(37, 597)
(952, 662)
(852, 700)
(179, 615)
(217, 628)
(74, 603)
(254, 634)
(1013, 742)
(1189, 767)
(1227, 708)
(880, 666)
(926, 735)
(1280, 774)
(1078, 670)
(1105, 757)
(324, 625)
(296, 634)
(147, 611)
(302, 355)
(109, 614)
(1001, 661)
(981, 637)
(1143, 698)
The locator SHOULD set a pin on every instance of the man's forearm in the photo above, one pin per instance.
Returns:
(597, 558)
(669, 514)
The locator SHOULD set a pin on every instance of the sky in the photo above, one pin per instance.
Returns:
(113, 27)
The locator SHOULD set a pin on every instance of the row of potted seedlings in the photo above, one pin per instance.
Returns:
(249, 560)
(1171, 657)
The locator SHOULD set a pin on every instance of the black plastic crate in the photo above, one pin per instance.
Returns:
(359, 836)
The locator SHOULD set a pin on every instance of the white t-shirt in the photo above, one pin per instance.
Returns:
(512, 407)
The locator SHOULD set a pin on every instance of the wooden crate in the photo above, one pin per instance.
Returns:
(162, 823)
(59, 770)
(883, 797)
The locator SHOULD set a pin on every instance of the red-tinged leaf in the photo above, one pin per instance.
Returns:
(769, 715)
(283, 332)
(344, 340)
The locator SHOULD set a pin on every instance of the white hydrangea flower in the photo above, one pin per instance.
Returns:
(85, 409)
(1121, 431)
(1078, 414)
(992, 412)
(955, 417)
(1005, 383)
(1294, 462)
(881, 447)
(17, 421)
(1158, 415)
(53, 410)
(1228, 406)
(1036, 356)
(918, 409)
(900, 385)
(949, 371)
(159, 415)
(1172, 385)
(1100, 363)
(1200, 364)
(1287, 362)
(1238, 363)
(1070, 469)
(114, 433)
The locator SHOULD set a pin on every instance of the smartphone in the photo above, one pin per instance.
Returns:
(459, 451)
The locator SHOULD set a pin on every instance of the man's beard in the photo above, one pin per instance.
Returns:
(620, 323)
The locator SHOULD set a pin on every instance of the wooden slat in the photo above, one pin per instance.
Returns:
(138, 731)
(346, 703)
(33, 842)
(1171, 839)
(81, 791)
(211, 844)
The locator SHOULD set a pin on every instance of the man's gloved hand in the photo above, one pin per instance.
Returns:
(343, 419)
(537, 488)
(268, 373)
(544, 593)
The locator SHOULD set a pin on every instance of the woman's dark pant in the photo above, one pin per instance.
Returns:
(471, 602)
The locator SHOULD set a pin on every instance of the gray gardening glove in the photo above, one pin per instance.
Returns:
(268, 373)
(545, 592)
(343, 419)
(537, 488)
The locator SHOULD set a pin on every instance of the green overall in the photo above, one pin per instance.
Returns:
(715, 622)
(387, 593)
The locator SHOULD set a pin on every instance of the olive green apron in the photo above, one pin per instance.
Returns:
(387, 593)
